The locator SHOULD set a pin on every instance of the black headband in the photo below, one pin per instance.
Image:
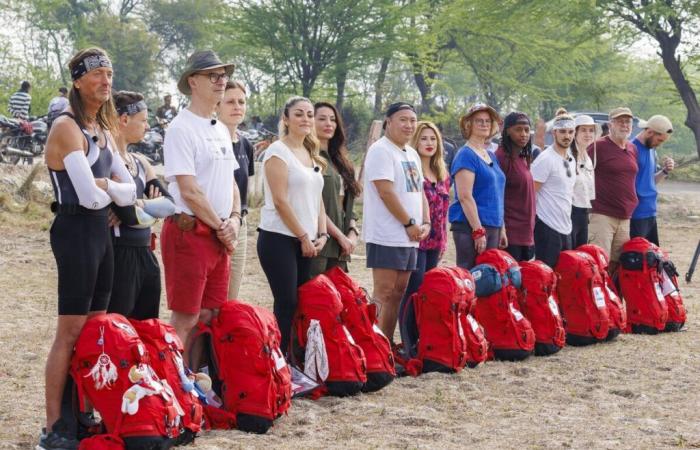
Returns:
(89, 63)
(398, 106)
(132, 108)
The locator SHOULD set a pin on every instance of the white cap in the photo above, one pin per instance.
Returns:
(583, 119)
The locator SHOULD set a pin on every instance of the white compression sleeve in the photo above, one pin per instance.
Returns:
(144, 219)
(89, 194)
(159, 207)
(124, 192)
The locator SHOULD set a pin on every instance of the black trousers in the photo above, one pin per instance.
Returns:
(645, 228)
(549, 243)
(521, 252)
(136, 289)
(286, 270)
(579, 226)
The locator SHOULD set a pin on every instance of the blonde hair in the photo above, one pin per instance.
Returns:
(311, 142)
(437, 161)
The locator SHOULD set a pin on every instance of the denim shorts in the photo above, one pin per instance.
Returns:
(396, 258)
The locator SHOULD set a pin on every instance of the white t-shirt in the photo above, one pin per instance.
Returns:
(584, 189)
(193, 146)
(386, 161)
(304, 186)
(556, 193)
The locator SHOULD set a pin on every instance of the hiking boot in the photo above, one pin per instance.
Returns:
(55, 441)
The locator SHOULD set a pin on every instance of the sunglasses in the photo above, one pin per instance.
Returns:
(567, 167)
(215, 77)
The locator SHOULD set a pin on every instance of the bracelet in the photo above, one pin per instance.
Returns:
(427, 223)
(478, 233)
(357, 232)
(326, 235)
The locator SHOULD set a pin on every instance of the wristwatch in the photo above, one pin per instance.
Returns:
(410, 223)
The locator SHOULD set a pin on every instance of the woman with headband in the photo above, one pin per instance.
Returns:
(136, 289)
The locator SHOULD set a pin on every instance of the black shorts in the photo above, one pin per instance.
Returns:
(136, 290)
(396, 258)
(645, 228)
(82, 246)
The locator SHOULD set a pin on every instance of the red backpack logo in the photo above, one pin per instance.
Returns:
(322, 345)
(448, 337)
(360, 318)
(110, 367)
(640, 285)
(616, 309)
(498, 278)
(581, 292)
(538, 300)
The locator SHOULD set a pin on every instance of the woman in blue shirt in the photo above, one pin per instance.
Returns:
(476, 215)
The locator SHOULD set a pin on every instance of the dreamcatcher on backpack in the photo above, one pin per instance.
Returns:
(104, 372)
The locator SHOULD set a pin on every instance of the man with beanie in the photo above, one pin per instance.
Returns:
(395, 211)
(655, 132)
(615, 161)
(554, 175)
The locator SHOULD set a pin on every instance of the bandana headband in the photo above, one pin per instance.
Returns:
(89, 63)
(132, 108)
(561, 124)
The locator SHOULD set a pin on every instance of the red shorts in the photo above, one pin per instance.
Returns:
(196, 267)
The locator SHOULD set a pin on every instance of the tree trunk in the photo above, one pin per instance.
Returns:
(425, 89)
(379, 85)
(341, 76)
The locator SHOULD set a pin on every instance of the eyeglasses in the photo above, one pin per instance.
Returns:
(567, 167)
(215, 77)
(482, 121)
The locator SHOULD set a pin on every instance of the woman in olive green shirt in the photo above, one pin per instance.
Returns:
(339, 191)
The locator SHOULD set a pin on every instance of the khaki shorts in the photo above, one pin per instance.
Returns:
(609, 233)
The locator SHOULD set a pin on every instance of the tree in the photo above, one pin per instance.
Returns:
(672, 25)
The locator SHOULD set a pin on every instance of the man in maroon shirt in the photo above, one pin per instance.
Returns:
(615, 161)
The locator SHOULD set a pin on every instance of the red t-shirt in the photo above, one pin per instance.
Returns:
(615, 173)
(519, 203)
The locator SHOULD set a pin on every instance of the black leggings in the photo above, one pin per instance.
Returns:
(286, 270)
(136, 290)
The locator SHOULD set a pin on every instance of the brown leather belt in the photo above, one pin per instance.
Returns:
(184, 222)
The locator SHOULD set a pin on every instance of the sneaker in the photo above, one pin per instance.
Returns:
(56, 439)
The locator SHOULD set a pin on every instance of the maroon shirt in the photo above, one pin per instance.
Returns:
(615, 173)
(519, 203)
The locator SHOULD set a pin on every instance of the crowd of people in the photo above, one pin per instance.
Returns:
(582, 188)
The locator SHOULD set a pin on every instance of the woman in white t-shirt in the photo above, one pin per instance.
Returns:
(292, 221)
(584, 188)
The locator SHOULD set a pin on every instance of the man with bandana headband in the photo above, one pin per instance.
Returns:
(554, 175)
(87, 176)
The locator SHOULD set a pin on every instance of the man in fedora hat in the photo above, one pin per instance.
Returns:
(655, 132)
(615, 168)
(196, 243)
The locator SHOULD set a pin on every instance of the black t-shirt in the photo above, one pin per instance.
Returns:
(243, 150)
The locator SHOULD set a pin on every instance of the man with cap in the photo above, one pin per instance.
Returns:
(655, 132)
(166, 112)
(615, 169)
(554, 175)
(395, 211)
(196, 243)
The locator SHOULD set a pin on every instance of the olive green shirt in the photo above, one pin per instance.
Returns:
(340, 213)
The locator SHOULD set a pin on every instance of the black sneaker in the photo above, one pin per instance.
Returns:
(56, 439)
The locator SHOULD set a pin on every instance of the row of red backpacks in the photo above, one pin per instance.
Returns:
(505, 310)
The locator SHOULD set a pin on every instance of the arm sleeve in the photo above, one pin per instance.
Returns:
(379, 165)
(89, 195)
(159, 207)
(161, 187)
(133, 216)
(541, 168)
(124, 192)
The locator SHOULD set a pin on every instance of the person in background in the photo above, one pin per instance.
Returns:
(292, 221)
(515, 156)
(655, 132)
(137, 287)
(20, 103)
(166, 112)
(584, 187)
(340, 189)
(476, 214)
(395, 211)
(57, 105)
(615, 171)
(231, 112)
(554, 175)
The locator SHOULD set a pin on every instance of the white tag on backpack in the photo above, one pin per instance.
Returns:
(279, 359)
(553, 306)
(347, 333)
(659, 294)
(377, 330)
(598, 297)
(611, 293)
(474, 324)
(518, 315)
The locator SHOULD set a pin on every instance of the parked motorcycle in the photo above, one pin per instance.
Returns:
(21, 139)
(152, 144)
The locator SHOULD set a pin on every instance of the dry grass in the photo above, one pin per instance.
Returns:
(637, 392)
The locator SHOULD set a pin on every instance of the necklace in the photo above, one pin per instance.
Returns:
(130, 163)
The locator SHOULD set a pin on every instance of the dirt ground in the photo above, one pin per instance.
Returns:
(637, 392)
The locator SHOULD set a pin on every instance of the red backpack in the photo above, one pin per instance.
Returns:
(247, 368)
(672, 294)
(497, 277)
(582, 298)
(616, 309)
(166, 357)
(640, 284)
(448, 337)
(338, 362)
(538, 300)
(110, 367)
(360, 318)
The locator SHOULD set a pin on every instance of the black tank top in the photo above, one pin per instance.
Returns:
(130, 236)
(100, 160)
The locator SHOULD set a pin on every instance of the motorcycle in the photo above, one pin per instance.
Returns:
(21, 139)
(152, 144)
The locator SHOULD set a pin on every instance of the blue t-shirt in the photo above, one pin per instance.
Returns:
(488, 190)
(645, 183)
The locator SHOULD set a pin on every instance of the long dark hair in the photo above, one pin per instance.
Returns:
(508, 147)
(106, 115)
(338, 152)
